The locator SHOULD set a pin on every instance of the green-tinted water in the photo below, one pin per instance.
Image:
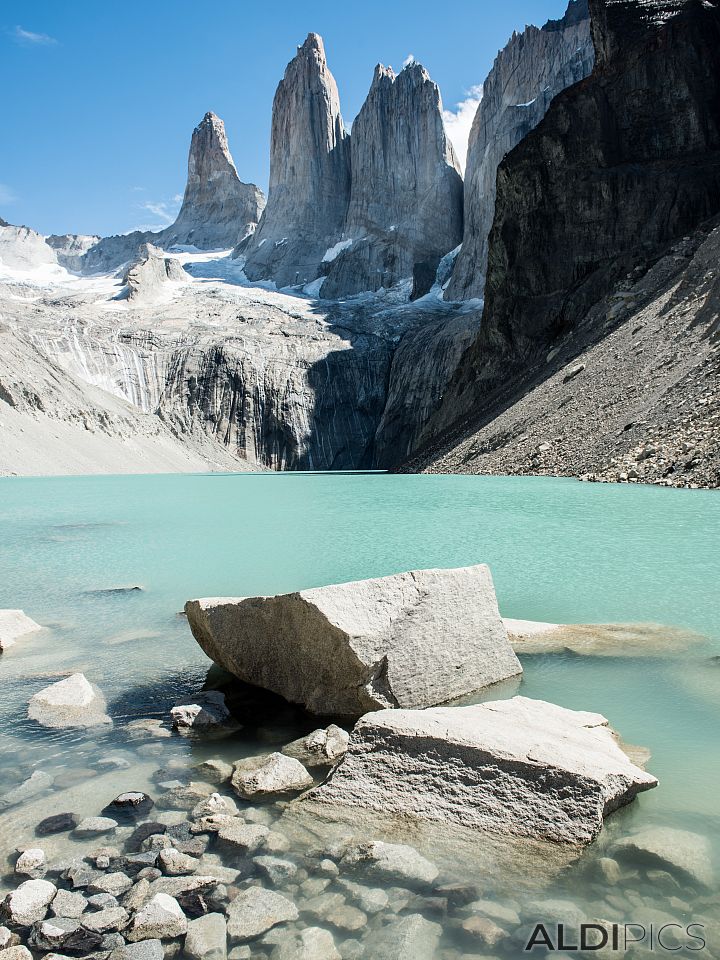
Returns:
(560, 551)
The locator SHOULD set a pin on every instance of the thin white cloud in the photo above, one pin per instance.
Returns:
(30, 38)
(6, 194)
(165, 211)
(410, 58)
(459, 121)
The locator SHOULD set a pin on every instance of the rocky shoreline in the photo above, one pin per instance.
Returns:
(327, 847)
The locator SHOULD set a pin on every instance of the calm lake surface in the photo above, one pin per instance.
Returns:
(559, 551)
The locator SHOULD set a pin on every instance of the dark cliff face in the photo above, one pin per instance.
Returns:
(624, 163)
(528, 73)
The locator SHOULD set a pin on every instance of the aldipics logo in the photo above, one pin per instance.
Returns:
(670, 937)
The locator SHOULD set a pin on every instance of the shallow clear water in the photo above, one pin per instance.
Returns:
(560, 551)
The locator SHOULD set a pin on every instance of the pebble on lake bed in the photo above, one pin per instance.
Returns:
(269, 776)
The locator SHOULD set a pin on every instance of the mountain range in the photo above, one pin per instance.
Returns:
(554, 311)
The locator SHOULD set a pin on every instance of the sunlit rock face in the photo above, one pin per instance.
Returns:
(528, 73)
(405, 209)
(309, 173)
(218, 209)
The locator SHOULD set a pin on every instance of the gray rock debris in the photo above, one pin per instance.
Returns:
(686, 855)
(520, 767)
(207, 938)
(321, 748)
(408, 640)
(28, 903)
(390, 862)
(147, 277)
(161, 918)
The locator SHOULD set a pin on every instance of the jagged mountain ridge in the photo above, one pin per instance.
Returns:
(624, 164)
(405, 207)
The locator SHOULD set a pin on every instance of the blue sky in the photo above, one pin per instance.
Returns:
(100, 99)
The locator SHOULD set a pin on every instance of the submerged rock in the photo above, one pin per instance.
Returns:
(409, 640)
(269, 776)
(600, 639)
(321, 748)
(57, 823)
(206, 714)
(391, 862)
(73, 702)
(412, 938)
(520, 767)
(38, 782)
(312, 943)
(686, 855)
(207, 938)
(129, 806)
(255, 911)
(161, 918)
(14, 626)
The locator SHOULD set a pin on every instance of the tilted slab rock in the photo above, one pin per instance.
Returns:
(408, 640)
(73, 702)
(14, 626)
(521, 767)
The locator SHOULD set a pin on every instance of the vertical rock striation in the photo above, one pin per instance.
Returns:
(624, 164)
(218, 209)
(527, 74)
(309, 174)
(405, 209)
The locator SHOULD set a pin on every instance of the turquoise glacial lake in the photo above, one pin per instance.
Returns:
(560, 551)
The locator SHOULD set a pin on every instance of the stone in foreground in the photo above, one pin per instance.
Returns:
(28, 903)
(206, 713)
(14, 626)
(72, 702)
(255, 911)
(410, 640)
(519, 767)
(269, 776)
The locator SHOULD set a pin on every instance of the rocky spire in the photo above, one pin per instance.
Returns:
(532, 69)
(405, 209)
(309, 173)
(218, 209)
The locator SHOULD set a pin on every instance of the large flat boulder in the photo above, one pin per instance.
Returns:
(410, 640)
(519, 767)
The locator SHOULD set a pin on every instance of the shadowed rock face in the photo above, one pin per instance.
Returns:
(309, 173)
(624, 164)
(527, 74)
(406, 198)
(218, 209)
